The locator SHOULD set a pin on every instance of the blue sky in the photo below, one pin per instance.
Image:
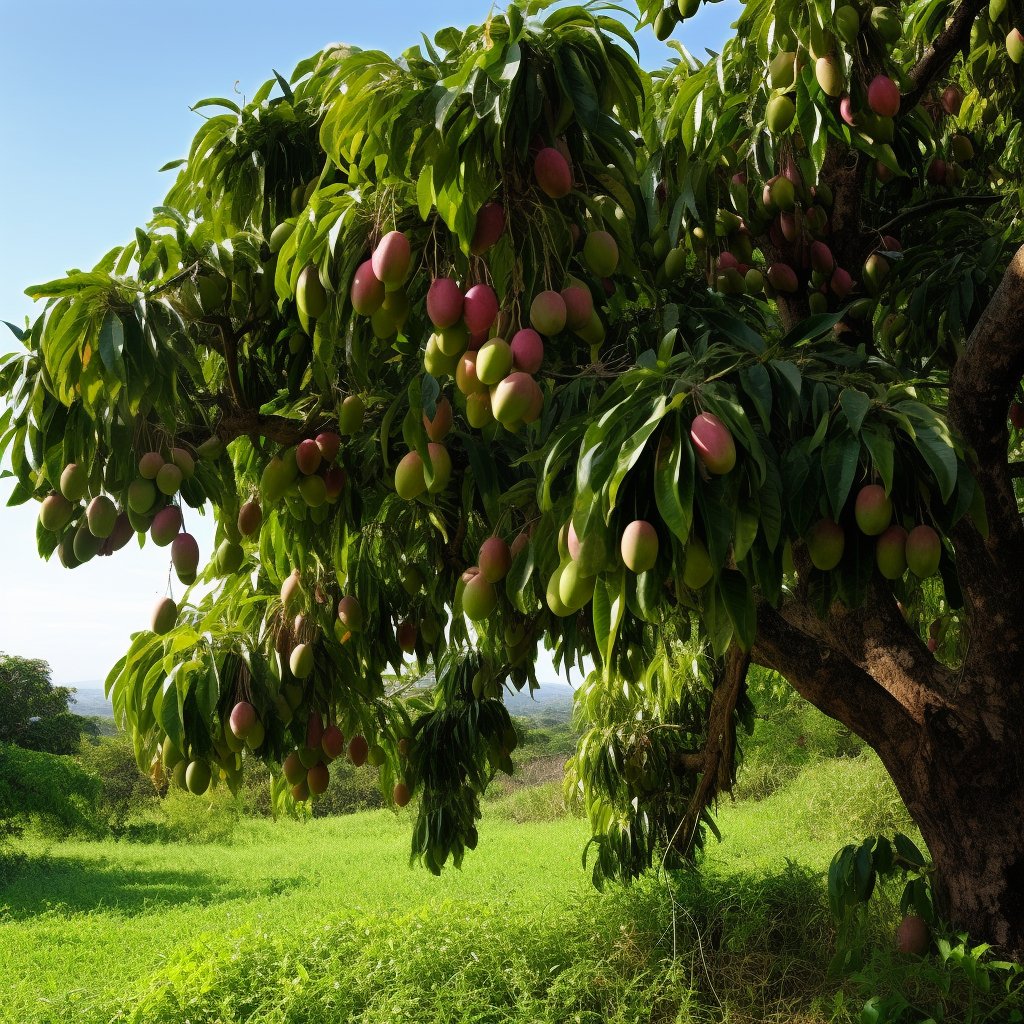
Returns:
(96, 98)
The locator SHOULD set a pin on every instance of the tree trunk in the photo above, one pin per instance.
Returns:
(968, 802)
(953, 744)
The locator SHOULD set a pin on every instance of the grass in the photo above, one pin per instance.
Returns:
(323, 921)
(258, 929)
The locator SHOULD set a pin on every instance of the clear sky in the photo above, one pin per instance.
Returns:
(96, 98)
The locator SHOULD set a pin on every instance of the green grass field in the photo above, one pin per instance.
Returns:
(325, 921)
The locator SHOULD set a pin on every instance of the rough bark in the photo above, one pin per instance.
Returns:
(951, 740)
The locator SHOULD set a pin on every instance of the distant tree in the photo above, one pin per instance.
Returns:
(35, 712)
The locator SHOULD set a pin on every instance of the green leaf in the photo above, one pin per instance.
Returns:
(882, 450)
(738, 598)
(839, 460)
(941, 459)
(855, 405)
(674, 481)
(112, 346)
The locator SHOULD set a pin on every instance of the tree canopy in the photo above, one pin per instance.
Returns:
(506, 341)
(36, 714)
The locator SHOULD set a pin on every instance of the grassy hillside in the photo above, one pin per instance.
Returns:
(324, 921)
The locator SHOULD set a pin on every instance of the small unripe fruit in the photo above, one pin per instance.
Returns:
(439, 426)
(165, 614)
(250, 518)
(184, 461)
(168, 480)
(197, 777)
(829, 77)
(333, 742)
(841, 283)
(406, 636)
(697, 569)
(441, 468)
(493, 361)
(876, 272)
(495, 559)
(243, 719)
(310, 294)
(490, 225)
(74, 482)
(291, 591)
(480, 308)
(825, 544)
(528, 350)
(478, 410)
(1015, 45)
(639, 546)
(141, 495)
(358, 748)
(601, 253)
(779, 114)
(313, 490)
(55, 512)
(301, 661)
(513, 398)
(101, 516)
(548, 313)
(230, 556)
(782, 70)
(401, 794)
(891, 552)
(873, 510)
(300, 792)
(884, 96)
(391, 259)
(479, 598)
(713, 443)
(350, 614)
(409, 480)
(149, 465)
(924, 551)
(553, 174)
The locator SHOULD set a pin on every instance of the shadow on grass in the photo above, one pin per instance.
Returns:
(55, 883)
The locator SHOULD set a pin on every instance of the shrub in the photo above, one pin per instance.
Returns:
(124, 789)
(50, 792)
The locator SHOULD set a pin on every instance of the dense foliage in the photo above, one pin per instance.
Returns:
(728, 296)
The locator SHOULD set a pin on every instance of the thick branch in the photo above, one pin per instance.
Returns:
(829, 681)
(935, 61)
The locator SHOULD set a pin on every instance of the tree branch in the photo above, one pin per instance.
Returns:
(717, 760)
(936, 59)
(829, 681)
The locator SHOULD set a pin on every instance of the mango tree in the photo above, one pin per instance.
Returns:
(508, 342)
